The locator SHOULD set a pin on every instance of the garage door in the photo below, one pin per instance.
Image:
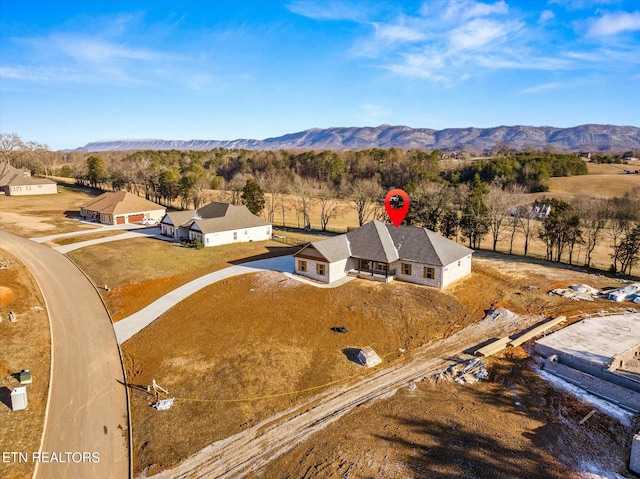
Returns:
(135, 218)
(119, 220)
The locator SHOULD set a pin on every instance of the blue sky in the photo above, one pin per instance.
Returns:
(72, 72)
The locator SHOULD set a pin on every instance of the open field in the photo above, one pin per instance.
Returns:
(24, 344)
(241, 339)
(41, 215)
(138, 271)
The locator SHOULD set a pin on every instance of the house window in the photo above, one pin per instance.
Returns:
(321, 269)
(429, 273)
(365, 264)
(406, 269)
(302, 265)
(381, 266)
(459, 263)
(235, 235)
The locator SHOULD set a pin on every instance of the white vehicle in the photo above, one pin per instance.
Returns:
(150, 222)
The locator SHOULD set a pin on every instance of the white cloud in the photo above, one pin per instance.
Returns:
(398, 33)
(544, 87)
(546, 16)
(467, 9)
(614, 23)
(328, 10)
(479, 33)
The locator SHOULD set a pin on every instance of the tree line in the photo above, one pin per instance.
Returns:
(468, 199)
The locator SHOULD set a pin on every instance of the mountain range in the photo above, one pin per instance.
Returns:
(579, 138)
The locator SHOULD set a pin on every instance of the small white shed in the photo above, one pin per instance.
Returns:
(368, 357)
(19, 398)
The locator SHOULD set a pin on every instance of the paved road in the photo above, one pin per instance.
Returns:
(88, 407)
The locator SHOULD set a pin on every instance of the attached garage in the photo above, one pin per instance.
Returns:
(121, 207)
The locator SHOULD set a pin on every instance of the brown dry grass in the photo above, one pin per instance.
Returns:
(24, 344)
(140, 270)
(41, 215)
(228, 342)
(65, 240)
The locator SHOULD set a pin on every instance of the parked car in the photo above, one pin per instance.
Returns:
(150, 221)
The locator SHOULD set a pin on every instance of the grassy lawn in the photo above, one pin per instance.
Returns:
(140, 270)
(24, 344)
(42, 215)
(65, 240)
(235, 342)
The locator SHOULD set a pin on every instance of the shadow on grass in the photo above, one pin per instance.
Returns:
(5, 396)
(273, 252)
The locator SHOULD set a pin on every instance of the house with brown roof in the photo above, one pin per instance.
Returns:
(121, 207)
(19, 182)
(216, 224)
(383, 252)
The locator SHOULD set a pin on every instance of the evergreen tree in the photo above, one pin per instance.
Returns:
(253, 196)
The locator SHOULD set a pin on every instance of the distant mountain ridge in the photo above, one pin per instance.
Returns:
(578, 138)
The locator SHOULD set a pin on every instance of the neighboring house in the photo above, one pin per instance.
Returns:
(216, 224)
(19, 182)
(383, 252)
(121, 207)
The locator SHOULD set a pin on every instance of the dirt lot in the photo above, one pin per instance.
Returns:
(514, 425)
(42, 215)
(24, 344)
(233, 355)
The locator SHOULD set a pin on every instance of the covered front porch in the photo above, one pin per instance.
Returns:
(373, 270)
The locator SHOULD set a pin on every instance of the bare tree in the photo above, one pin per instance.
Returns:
(526, 222)
(302, 189)
(235, 187)
(329, 204)
(10, 144)
(365, 195)
(595, 214)
(499, 202)
(273, 183)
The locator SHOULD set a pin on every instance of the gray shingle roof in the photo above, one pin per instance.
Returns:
(215, 217)
(377, 241)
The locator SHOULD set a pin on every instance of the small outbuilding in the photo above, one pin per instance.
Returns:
(368, 357)
(19, 398)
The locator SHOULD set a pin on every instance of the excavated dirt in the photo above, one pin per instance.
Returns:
(233, 343)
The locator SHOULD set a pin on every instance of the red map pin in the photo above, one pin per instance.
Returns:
(397, 204)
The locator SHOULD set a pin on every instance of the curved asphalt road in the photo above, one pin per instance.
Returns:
(88, 407)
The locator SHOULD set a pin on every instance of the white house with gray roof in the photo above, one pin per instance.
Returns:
(383, 252)
(216, 224)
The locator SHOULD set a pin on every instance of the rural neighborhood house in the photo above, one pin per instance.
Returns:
(383, 252)
(216, 224)
(121, 207)
(19, 182)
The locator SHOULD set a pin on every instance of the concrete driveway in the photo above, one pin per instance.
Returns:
(87, 410)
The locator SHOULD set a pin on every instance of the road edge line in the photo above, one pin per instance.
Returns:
(46, 408)
(124, 374)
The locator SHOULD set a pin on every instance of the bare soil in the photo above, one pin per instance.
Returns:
(24, 344)
(514, 425)
(246, 348)
(41, 215)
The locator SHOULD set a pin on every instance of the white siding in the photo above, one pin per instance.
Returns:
(417, 273)
(243, 235)
(24, 190)
(456, 270)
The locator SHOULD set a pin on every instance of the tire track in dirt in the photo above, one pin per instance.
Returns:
(248, 450)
